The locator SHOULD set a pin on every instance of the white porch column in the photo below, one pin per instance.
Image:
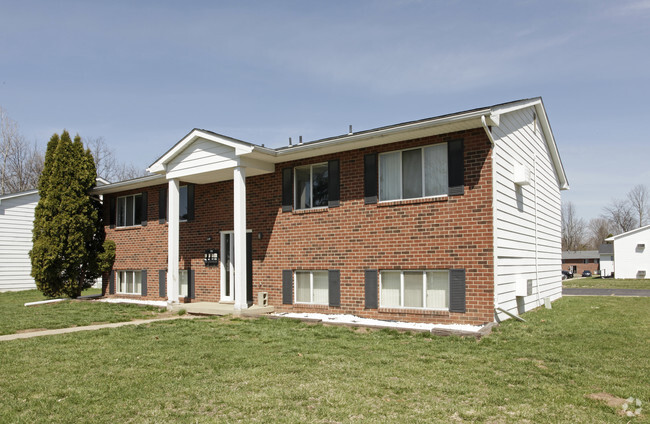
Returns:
(173, 212)
(239, 183)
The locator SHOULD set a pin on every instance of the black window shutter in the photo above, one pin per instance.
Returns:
(287, 189)
(162, 205)
(333, 187)
(456, 166)
(334, 278)
(190, 202)
(371, 288)
(143, 281)
(457, 290)
(162, 282)
(287, 287)
(112, 210)
(145, 209)
(111, 283)
(249, 267)
(370, 178)
(190, 284)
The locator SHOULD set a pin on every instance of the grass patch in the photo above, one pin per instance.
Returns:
(606, 283)
(15, 317)
(261, 370)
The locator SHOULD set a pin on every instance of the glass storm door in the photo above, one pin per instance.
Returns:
(228, 266)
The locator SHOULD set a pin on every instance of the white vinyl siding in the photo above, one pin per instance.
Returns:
(312, 287)
(415, 289)
(128, 282)
(16, 223)
(414, 173)
(527, 231)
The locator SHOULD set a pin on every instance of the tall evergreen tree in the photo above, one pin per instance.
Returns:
(68, 232)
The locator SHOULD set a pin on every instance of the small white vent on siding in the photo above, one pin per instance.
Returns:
(521, 175)
(640, 247)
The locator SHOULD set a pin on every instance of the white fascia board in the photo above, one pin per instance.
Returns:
(378, 137)
(160, 166)
(149, 180)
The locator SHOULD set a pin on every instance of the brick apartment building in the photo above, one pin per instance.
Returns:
(447, 220)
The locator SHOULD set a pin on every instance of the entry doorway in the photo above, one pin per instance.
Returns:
(228, 266)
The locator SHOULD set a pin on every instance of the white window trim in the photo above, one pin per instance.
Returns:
(118, 278)
(311, 187)
(117, 211)
(424, 288)
(401, 194)
(311, 287)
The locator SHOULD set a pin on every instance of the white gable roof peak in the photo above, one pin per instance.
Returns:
(240, 147)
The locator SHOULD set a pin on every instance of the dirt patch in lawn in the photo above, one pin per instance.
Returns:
(610, 400)
(30, 330)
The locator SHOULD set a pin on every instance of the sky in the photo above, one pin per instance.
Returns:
(143, 74)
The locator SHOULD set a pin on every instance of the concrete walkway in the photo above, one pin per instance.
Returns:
(605, 292)
(31, 334)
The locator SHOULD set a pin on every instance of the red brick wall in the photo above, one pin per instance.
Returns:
(446, 233)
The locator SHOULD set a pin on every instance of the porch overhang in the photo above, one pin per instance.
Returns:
(202, 157)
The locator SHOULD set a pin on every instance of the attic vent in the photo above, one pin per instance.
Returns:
(521, 175)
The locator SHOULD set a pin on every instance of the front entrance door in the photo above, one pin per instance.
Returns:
(228, 266)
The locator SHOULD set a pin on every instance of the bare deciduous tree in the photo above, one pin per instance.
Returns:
(108, 166)
(573, 228)
(599, 231)
(639, 200)
(21, 164)
(620, 216)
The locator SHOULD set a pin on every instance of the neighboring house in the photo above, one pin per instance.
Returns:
(632, 253)
(440, 220)
(606, 253)
(580, 260)
(16, 222)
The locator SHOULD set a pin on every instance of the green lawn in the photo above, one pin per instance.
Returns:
(234, 370)
(606, 283)
(15, 317)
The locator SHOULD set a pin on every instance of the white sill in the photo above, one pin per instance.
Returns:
(310, 209)
(413, 308)
(440, 196)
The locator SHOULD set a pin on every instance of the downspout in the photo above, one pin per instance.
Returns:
(487, 131)
(536, 230)
(494, 221)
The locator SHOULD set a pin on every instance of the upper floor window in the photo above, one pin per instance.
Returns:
(311, 184)
(413, 173)
(129, 210)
